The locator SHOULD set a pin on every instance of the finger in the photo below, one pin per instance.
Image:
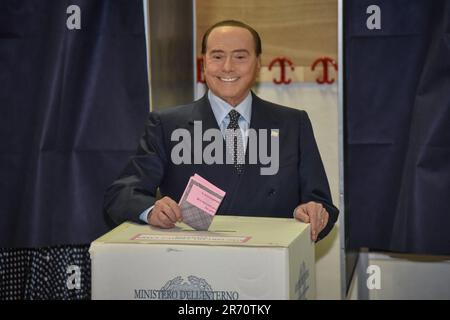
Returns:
(168, 211)
(175, 208)
(160, 215)
(320, 218)
(325, 217)
(301, 215)
(313, 212)
(157, 219)
(164, 220)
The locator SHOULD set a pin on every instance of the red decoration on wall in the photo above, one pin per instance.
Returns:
(325, 61)
(200, 75)
(283, 63)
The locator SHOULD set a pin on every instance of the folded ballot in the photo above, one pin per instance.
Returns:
(199, 202)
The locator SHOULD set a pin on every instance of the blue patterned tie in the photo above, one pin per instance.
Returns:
(234, 141)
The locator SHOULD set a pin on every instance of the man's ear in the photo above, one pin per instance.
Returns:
(203, 62)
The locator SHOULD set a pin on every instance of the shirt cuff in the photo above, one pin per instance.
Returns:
(144, 215)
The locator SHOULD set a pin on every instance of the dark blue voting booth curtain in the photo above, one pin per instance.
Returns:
(73, 102)
(397, 118)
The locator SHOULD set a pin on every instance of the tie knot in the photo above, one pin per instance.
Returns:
(234, 118)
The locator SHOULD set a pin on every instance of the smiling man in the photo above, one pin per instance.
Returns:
(231, 52)
(231, 61)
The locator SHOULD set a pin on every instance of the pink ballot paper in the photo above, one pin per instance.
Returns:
(200, 202)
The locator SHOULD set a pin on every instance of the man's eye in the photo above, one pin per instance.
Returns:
(217, 57)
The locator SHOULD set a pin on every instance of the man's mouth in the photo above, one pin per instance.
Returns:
(228, 79)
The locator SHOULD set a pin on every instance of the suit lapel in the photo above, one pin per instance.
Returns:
(262, 117)
(202, 112)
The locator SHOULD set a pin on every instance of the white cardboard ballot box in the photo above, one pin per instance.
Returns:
(238, 258)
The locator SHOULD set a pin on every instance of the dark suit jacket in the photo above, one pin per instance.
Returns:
(300, 178)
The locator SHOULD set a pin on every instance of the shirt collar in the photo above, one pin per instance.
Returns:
(221, 108)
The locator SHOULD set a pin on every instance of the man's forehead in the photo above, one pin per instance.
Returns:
(235, 35)
(230, 31)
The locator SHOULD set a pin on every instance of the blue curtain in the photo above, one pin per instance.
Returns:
(397, 121)
(72, 106)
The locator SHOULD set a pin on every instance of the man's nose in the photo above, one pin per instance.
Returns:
(228, 65)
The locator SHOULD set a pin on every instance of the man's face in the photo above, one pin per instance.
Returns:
(230, 63)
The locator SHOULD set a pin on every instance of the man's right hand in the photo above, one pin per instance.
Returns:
(165, 213)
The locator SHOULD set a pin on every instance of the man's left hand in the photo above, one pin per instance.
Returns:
(314, 213)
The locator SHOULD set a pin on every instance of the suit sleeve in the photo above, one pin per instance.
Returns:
(135, 189)
(313, 179)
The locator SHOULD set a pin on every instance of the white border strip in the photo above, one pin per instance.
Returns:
(147, 46)
(194, 47)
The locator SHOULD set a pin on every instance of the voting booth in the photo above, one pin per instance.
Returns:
(237, 258)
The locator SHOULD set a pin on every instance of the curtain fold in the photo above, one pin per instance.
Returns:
(73, 103)
(398, 126)
(426, 174)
